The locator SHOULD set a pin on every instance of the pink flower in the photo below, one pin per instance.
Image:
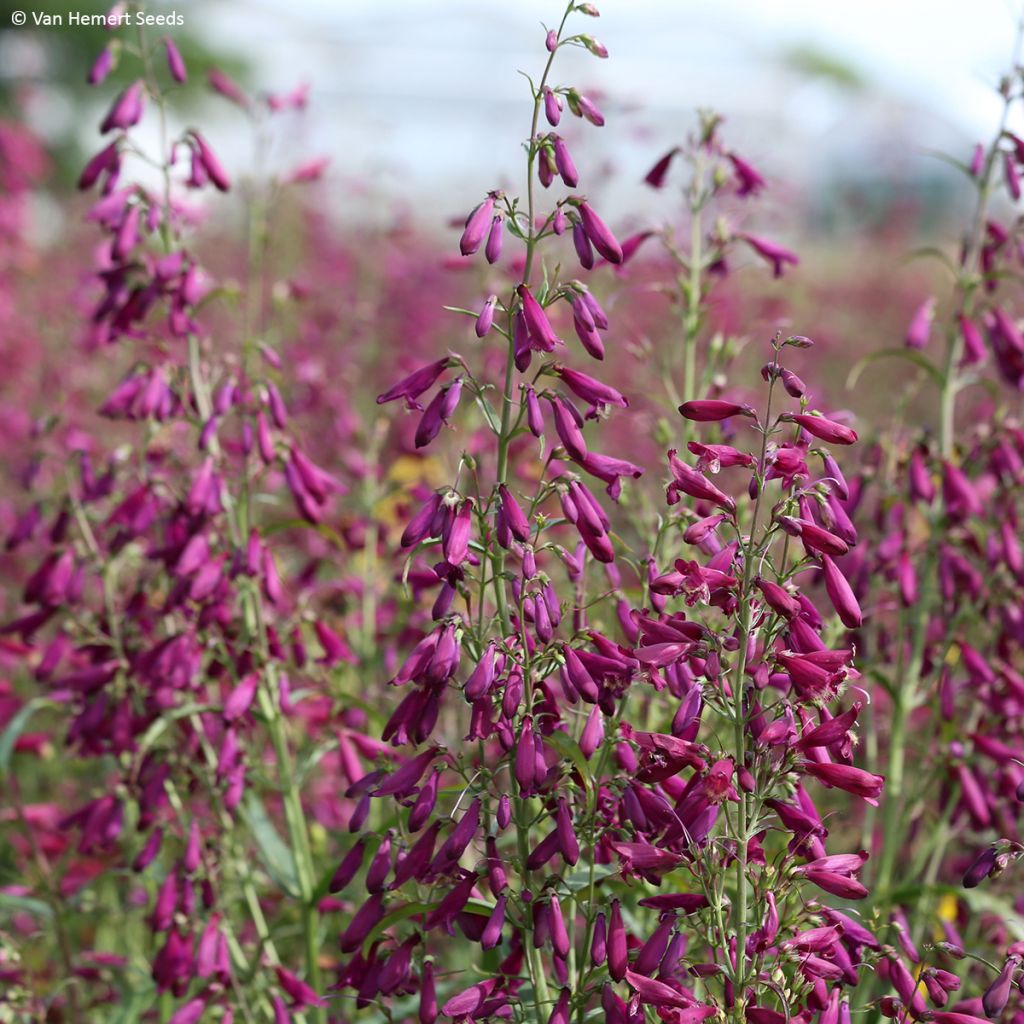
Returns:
(599, 233)
(921, 325)
(748, 181)
(477, 225)
(774, 253)
(711, 410)
(656, 175)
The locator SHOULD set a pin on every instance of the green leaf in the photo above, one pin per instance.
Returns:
(485, 408)
(15, 727)
(274, 851)
(133, 1006)
(983, 901)
(12, 903)
(933, 252)
(481, 907)
(313, 758)
(159, 727)
(945, 158)
(402, 913)
(581, 879)
(565, 746)
(910, 355)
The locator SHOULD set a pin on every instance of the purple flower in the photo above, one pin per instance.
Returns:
(599, 233)
(774, 253)
(655, 177)
(539, 327)
(748, 181)
(411, 387)
(175, 64)
(477, 225)
(126, 110)
(921, 324)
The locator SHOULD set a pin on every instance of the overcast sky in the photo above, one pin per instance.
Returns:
(419, 96)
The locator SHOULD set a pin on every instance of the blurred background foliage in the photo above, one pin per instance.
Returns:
(43, 74)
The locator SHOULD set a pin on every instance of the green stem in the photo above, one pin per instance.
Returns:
(968, 277)
(739, 713)
(692, 290)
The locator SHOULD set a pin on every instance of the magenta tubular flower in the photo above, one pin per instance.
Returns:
(567, 842)
(581, 242)
(618, 960)
(438, 413)
(974, 347)
(228, 88)
(593, 733)
(772, 252)
(297, 990)
(101, 67)
(411, 387)
(713, 458)
(841, 594)
(591, 390)
(711, 410)
(175, 64)
(835, 883)
(1011, 176)
(699, 531)
(492, 251)
(564, 162)
(477, 225)
(515, 518)
(495, 923)
(189, 1013)
(657, 993)
(831, 731)
(126, 110)
(655, 177)
(485, 320)
(748, 181)
(568, 429)
(849, 778)
(816, 539)
(455, 543)
(921, 324)
(589, 338)
(599, 234)
(149, 851)
(537, 323)
(689, 481)
(588, 110)
(982, 866)
(824, 429)
(105, 161)
(780, 600)
(211, 164)
(552, 107)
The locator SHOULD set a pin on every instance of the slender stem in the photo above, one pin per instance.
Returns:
(906, 685)
(746, 631)
(506, 428)
(691, 287)
(968, 277)
(497, 555)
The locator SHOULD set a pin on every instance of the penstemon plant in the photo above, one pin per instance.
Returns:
(944, 629)
(325, 713)
(611, 836)
(162, 630)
